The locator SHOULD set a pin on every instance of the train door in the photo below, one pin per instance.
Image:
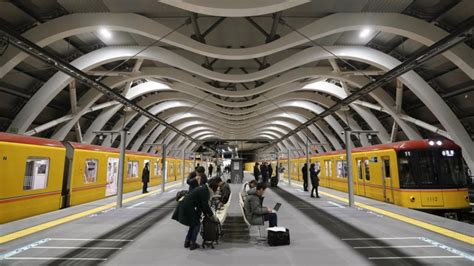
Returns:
(112, 176)
(360, 176)
(387, 180)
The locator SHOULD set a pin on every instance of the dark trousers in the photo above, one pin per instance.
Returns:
(271, 218)
(145, 187)
(193, 233)
(305, 183)
(210, 173)
(315, 188)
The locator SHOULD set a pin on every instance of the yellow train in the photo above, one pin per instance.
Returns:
(41, 175)
(420, 174)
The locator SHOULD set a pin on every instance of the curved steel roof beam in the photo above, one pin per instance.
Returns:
(399, 24)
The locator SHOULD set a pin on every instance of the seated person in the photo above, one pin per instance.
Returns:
(255, 213)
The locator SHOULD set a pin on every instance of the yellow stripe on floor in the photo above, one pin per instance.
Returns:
(437, 229)
(40, 227)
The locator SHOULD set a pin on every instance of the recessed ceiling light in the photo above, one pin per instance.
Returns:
(364, 33)
(105, 33)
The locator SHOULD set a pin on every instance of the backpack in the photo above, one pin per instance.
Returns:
(180, 195)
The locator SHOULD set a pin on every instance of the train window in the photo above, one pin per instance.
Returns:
(36, 173)
(359, 168)
(155, 168)
(386, 166)
(367, 170)
(90, 171)
(132, 171)
(341, 168)
(317, 166)
(328, 167)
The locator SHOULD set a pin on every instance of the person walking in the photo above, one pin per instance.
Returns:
(264, 172)
(304, 170)
(189, 210)
(256, 172)
(270, 170)
(314, 174)
(145, 177)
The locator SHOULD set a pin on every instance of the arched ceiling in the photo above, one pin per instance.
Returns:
(230, 70)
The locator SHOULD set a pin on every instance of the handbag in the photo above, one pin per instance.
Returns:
(278, 238)
(180, 195)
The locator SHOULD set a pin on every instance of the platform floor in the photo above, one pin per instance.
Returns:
(323, 231)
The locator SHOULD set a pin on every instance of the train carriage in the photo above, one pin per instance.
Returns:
(31, 173)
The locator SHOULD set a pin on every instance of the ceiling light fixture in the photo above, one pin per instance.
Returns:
(365, 33)
(105, 33)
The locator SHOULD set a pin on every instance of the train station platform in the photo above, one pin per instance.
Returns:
(323, 231)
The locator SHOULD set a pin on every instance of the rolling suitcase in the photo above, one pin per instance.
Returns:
(278, 238)
(210, 232)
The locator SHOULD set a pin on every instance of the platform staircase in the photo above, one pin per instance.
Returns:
(235, 229)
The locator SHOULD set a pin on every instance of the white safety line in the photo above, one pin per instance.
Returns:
(379, 238)
(53, 258)
(91, 239)
(449, 249)
(415, 257)
(22, 249)
(171, 191)
(136, 204)
(336, 204)
(415, 246)
(50, 247)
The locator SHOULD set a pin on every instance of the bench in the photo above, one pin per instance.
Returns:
(222, 212)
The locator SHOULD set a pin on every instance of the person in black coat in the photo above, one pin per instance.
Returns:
(209, 169)
(256, 172)
(145, 177)
(264, 172)
(314, 180)
(304, 170)
(189, 210)
(270, 170)
(196, 178)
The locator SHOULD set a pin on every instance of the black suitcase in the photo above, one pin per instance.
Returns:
(278, 238)
(210, 232)
(274, 181)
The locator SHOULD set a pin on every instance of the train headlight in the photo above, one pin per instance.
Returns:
(439, 143)
(412, 198)
(431, 143)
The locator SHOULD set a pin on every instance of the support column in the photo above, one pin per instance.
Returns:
(289, 168)
(163, 170)
(184, 167)
(350, 183)
(123, 135)
(307, 160)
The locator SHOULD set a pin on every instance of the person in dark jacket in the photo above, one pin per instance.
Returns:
(256, 172)
(224, 191)
(145, 177)
(304, 171)
(314, 180)
(189, 210)
(264, 172)
(270, 170)
(209, 170)
(255, 213)
(218, 170)
(196, 178)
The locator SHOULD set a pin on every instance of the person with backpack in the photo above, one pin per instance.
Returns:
(145, 177)
(314, 180)
(191, 206)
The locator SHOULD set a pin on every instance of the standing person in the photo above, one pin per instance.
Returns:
(305, 176)
(189, 210)
(314, 180)
(145, 177)
(270, 170)
(218, 170)
(256, 172)
(264, 172)
(209, 169)
(196, 166)
(196, 178)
